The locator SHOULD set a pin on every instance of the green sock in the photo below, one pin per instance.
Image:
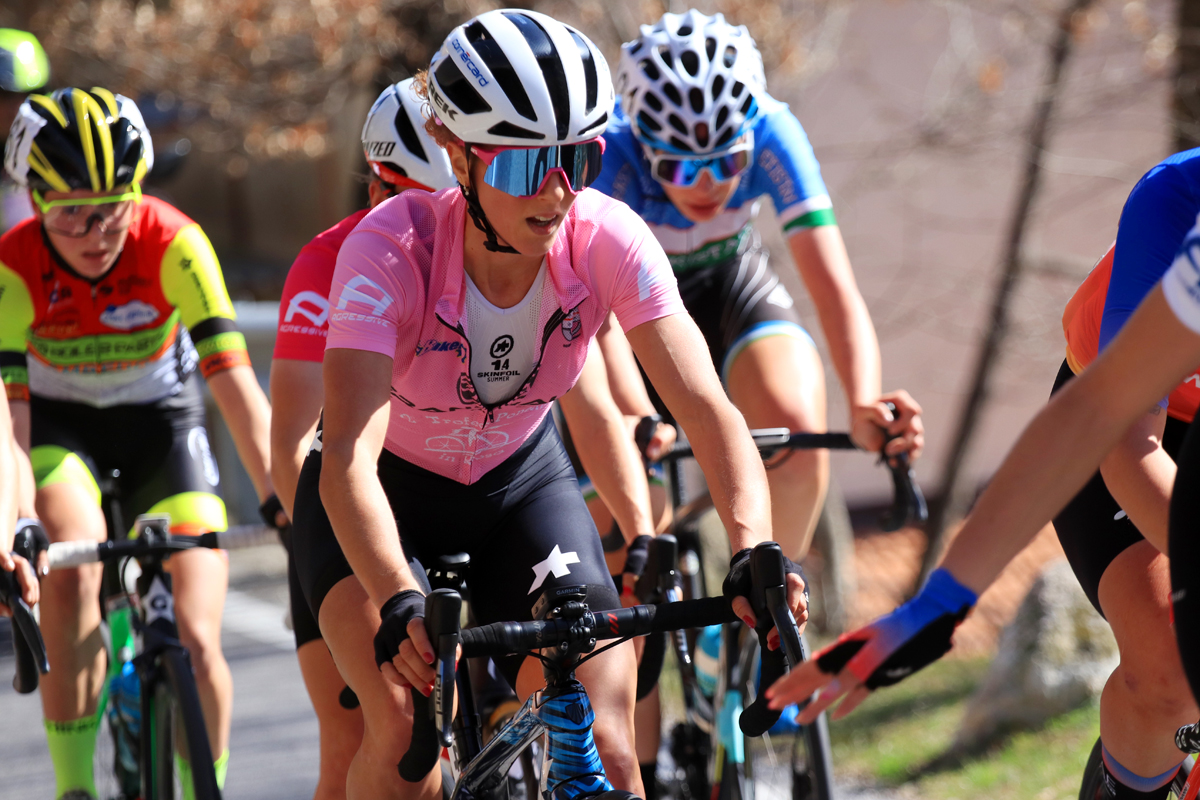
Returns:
(184, 770)
(72, 748)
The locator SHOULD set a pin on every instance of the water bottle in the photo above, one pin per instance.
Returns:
(707, 659)
(125, 717)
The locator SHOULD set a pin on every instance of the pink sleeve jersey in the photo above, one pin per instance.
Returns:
(399, 290)
(304, 308)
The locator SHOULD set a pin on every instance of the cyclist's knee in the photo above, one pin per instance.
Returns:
(1159, 690)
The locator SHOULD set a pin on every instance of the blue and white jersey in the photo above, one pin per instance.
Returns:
(784, 167)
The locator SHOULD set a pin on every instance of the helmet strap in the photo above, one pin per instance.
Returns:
(480, 219)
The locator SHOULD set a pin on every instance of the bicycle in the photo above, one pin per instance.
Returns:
(1185, 785)
(714, 758)
(566, 634)
(170, 718)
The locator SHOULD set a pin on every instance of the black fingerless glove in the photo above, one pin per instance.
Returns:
(738, 583)
(644, 431)
(637, 555)
(400, 609)
(270, 511)
(31, 540)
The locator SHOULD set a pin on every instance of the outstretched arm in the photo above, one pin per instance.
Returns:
(246, 411)
(1059, 450)
(824, 265)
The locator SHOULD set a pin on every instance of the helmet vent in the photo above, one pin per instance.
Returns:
(722, 116)
(649, 70)
(696, 98)
(745, 109)
(730, 56)
(685, 30)
(501, 68)
(551, 65)
(710, 47)
(702, 134)
(673, 94)
(458, 89)
(690, 61)
(598, 125)
(637, 47)
(589, 71)
(677, 124)
(408, 135)
(738, 86)
(651, 99)
(514, 131)
(726, 137)
(647, 121)
(681, 145)
(718, 84)
(668, 58)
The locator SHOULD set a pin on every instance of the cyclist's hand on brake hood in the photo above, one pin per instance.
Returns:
(737, 589)
(885, 652)
(403, 652)
(874, 423)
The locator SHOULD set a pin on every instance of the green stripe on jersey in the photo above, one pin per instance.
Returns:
(14, 374)
(712, 253)
(220, 343)
(105, 348)
(813, 219)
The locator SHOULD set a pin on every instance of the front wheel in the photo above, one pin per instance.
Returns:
(177, 725)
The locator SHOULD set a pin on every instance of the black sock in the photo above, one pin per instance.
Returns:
(649, 783)
(1115, 790)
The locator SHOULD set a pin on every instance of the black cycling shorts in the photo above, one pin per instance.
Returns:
(161, 450)
(304, 625)
(739, 302)
(524, 525)
(1185, 555)
(1092, 528)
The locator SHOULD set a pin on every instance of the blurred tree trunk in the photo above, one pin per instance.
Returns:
(1186, 104)
(955, 492)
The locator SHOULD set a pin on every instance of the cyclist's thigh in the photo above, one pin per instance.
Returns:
(778, 381)
(68, 497)
(1092, 528)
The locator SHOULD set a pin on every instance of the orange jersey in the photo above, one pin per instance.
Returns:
(1081, 325)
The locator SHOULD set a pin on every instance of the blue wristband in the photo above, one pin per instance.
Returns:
(944, 589)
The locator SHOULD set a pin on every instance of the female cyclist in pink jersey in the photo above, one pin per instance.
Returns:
(455, 319)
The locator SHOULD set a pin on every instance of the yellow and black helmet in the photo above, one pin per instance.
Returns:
(76, 139)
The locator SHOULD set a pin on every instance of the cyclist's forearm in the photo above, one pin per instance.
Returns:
(296, 391)
(1140, 474)
(247, 414)
(677, 361)
(824, 265)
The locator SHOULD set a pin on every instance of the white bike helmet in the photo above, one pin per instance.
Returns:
(518, 78)
(691, 83)
(396, 145)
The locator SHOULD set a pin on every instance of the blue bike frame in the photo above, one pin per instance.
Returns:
(571, 765)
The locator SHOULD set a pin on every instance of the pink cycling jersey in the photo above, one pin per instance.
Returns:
(400, 287)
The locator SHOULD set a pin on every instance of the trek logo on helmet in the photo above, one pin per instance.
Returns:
(440, 103)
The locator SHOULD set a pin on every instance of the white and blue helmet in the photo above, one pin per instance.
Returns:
(691, 83)
(517, 78)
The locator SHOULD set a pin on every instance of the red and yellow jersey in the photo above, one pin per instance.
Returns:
(131, 336)
(1082, 320)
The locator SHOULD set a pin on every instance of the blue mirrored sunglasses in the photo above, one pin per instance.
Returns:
(522, 172)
